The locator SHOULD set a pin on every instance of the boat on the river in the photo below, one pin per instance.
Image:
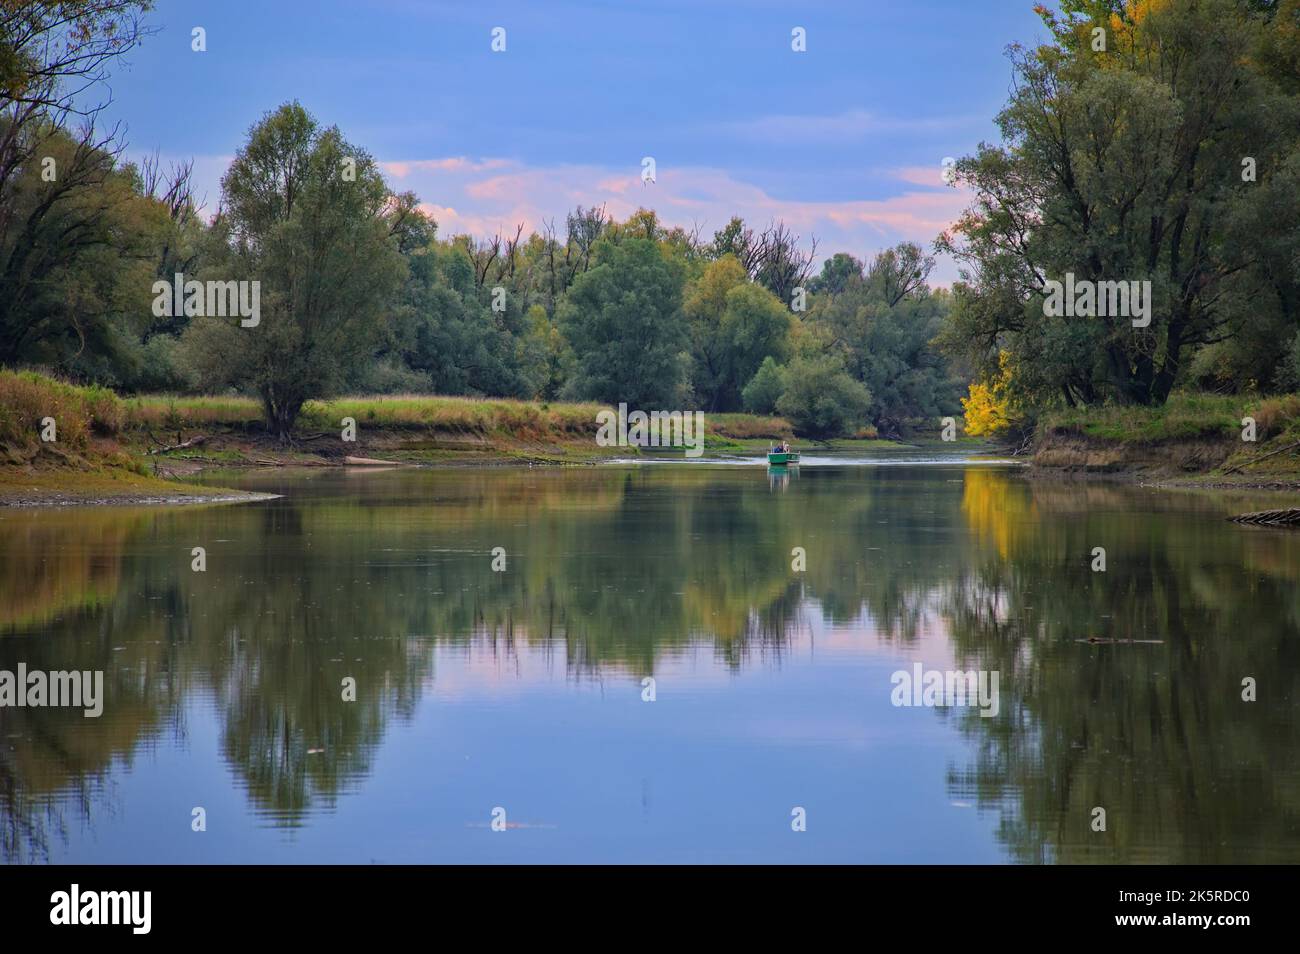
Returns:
(783, 457)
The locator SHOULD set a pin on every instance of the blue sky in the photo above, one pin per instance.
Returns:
(844, 141)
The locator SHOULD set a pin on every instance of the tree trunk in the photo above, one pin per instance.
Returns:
(281, 414)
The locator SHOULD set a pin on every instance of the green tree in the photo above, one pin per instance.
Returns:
(1127, 164)
(75, 252)
(837, 272)
(882, 325)
(764, 388)
(821, 399)
(755, 327)
(704, 306)
(309, 216)
(623, 319)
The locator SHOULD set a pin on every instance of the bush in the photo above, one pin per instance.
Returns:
(988, 410)
(821, 400)
(1274, 415)
(764, 388)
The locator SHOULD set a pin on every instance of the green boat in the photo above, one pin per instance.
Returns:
(790, 457)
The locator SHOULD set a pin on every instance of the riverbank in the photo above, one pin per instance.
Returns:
(1209, 441)
(413, 429)
(21, 487)
(63, 444)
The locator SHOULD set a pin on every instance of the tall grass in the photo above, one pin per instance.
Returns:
(523, 420)
(1183, 416)
(27, 398)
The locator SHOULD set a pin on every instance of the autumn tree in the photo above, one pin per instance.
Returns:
(1160, 153)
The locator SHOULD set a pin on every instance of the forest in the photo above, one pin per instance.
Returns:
(1153, 141)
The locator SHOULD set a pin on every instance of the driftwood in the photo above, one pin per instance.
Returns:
(192, 442)
(369, 462)
(1287, 517)
(1108, 641)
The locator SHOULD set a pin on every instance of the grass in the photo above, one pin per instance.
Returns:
(45, 485)
(1191, 433)
(482, 417)
(1185, 416)
(28, 400)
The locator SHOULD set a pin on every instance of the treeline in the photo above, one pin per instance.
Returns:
(1154, 142)
(356, 290)
(1149, 145)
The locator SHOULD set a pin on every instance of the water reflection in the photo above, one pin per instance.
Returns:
(614, 574)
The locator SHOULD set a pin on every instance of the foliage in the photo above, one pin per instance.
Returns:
(882, 326)
(323, 247)
(1128, 164)
(821, 400)
(765, 388)
(624, 322)
(988, 408)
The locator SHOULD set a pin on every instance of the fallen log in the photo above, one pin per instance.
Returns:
(1286, 517)
(369, 462)
(192, 442)
(1256, 460)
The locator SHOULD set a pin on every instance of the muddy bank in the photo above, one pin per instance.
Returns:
(50, 487)
(1206, 462)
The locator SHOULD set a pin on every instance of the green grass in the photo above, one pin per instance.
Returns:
(1185, 416)
(1199, 417)
(27, 399)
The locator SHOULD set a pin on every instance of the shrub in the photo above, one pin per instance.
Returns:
(764, 388)
(821, 400)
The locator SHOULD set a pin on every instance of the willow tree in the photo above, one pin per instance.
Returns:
(309, 216)
(1142, 145)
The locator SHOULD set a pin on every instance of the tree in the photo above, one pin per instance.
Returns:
(70, 228)
(623, 319)
(704, 306)
(821, 399)
(51, 55)
(765, 388)
(837, 272)
(773, 258)
(1126, 164)
(447, 330)
(309, 216)
(899, 272)
(882, 326)
(755, 327)
(75, 261)
(988, 407)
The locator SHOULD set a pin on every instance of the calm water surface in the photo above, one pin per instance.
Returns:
(523, 689)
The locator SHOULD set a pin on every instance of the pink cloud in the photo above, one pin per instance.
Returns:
(464, 200)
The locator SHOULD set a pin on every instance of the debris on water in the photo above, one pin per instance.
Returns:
(1287, 517)
(1106, 640)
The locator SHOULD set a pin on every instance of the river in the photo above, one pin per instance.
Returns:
(671, 662)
